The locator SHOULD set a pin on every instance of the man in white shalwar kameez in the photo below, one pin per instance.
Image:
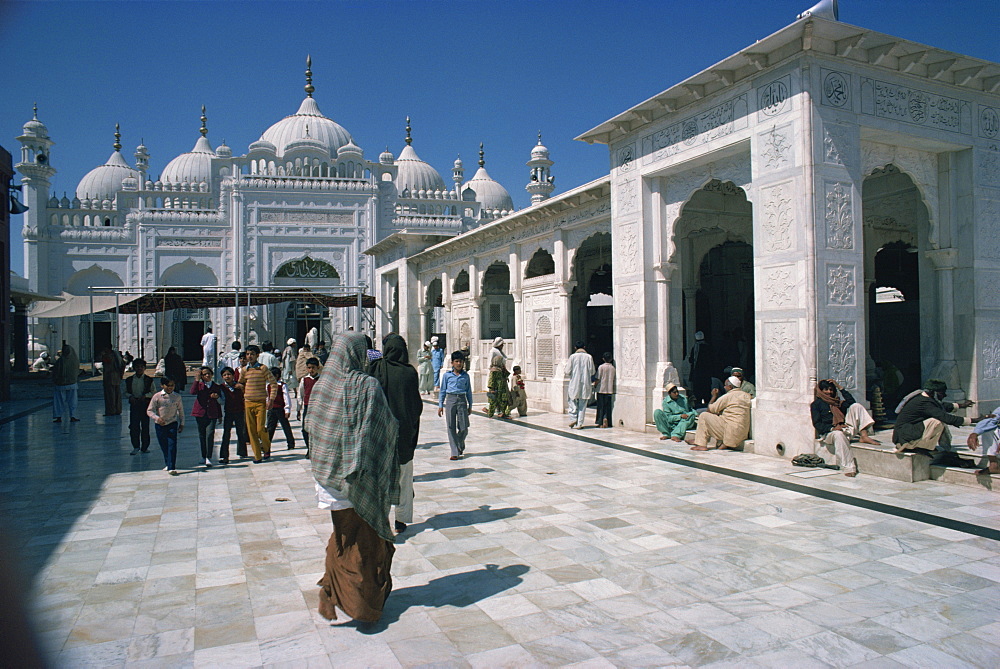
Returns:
(208, 348)
(580, 370)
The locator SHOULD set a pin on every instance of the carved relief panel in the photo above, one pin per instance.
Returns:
(776, 147)
(843, 352)
(840, 285)
(839, 216)
(631, 352)
(781, 346)
(778, 217)
(780, 287)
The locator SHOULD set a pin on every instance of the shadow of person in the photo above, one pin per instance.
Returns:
(484, 514)
(458, 590)
(431, 443)
(451, 474)
(473, 454)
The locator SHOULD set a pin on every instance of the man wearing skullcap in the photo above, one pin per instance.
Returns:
(727, 420)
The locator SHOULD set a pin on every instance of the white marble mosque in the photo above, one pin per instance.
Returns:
(824, 202)
(298, 208)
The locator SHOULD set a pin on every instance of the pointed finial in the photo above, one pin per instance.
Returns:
(409, 140)
(118, 138)
(34, 108)
(204, 121)
(482, 161)
(309, 76)
(539, 138)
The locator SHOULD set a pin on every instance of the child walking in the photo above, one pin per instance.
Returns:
(455, 403)
(206, 411)
(233, 417)
(167, 411)
(518, 396)
(280, 409)
(308, 381)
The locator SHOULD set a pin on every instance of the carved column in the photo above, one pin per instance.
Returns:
(946, 368)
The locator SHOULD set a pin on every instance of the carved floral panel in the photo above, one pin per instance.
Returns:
(843, 353)
(840, 285)
(839, 216)
(781, 344)
(778, 218)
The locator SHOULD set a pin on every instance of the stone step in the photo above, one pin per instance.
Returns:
(966, 477)
(886, 463)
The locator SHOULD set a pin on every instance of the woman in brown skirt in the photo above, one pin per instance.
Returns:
(352, 441)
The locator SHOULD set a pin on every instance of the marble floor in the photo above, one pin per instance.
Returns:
(537, 549)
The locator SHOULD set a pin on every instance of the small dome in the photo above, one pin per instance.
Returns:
(489, 193)
(35, 128)
(350, 149)
(458, 164)
(101, 183)
(539, 151)
(263, 145)
(386, 157)
(293, 128)
(194, 166)
(223, 151)
(415, 174)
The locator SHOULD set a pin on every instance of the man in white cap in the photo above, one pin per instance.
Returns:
(727, 420)
(580, 371)
(437, 361)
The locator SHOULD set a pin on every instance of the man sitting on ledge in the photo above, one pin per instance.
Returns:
(923, 419)
(727, 419)
(838, 421)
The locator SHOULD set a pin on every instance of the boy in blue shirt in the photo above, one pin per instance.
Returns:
(455, 403)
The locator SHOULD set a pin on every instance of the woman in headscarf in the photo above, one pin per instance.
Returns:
(65, 373)
(425, 369)
(400, 384)
(676, 416)
(497, 392)
(175, 369)
(352, 441)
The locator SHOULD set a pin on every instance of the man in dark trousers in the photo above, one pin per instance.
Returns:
(138, 391)
(923, 419)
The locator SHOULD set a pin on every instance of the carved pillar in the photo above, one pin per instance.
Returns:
(946, 368)
(662, 273)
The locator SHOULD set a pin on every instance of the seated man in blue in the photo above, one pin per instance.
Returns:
(676, 416)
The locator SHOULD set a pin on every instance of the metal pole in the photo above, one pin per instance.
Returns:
(117, 325)
(93, 358)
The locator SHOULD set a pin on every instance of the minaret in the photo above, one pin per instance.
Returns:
(458, 176)
(141, 159)
(36, 178)
(541, 183)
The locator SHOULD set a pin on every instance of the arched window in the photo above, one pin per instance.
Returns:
(541, 263)
(461, 284)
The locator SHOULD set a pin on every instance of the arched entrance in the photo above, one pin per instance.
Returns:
(497, 313)
(900, 295)
(714, 237)
(103, 325)
(434, 320)
(187, 326)
(592, 301)
(300, 317)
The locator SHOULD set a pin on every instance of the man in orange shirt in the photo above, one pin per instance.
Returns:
(258, 386)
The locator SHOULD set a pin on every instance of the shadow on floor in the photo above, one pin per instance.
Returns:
(451, 474)
(429, 444)
(458, 590)
(483, 454)
(484, 514)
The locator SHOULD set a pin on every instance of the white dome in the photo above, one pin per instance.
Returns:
(293, 128)
(415, 174)
(350, 149)
(194, 166)
(101, 183)
(386, 157)
(223, 151)
(539, 151)
(489, 193)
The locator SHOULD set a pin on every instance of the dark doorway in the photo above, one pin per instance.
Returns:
(191, 334)
(102, 338)
(724, 309)
(592, 306)
(894, 320)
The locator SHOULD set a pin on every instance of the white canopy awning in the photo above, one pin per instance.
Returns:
(79, 305)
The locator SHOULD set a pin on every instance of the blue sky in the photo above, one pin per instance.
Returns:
(496, 72)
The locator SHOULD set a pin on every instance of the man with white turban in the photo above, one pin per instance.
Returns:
(727, 420)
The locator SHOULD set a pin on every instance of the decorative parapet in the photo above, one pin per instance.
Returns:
(307, 183)
(182, 216)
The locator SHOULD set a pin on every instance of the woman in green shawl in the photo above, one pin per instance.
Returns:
(352, 444)
(497, 391)
(676, 417)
